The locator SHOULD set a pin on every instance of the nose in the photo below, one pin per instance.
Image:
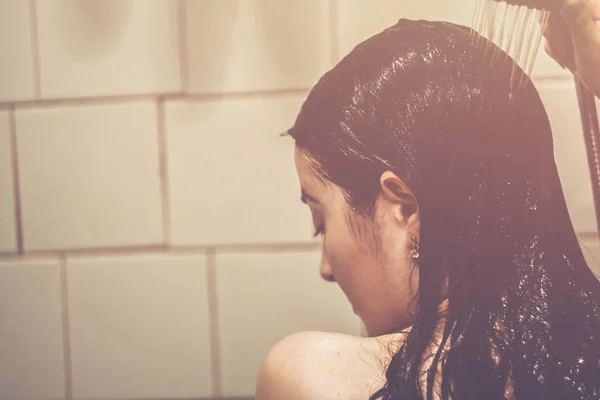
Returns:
(325, 269)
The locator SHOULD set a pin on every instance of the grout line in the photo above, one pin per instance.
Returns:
(163, 172)
(16, 181)
(250, 95)
(268, 247)
(35, 49)
(66, 329)
(213, 322)
(100, 251)
(334, 31)
(182, 398)
(10, 257)
(83, 101)
(111, 99)
(183, 46)
(175, 250)
(552, 79)
(587, 235)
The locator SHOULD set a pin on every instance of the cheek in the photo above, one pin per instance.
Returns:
(347, 260)
(335, 251)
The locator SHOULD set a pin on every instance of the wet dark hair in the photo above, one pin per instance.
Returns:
(421, 100)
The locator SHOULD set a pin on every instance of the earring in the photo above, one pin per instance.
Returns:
(414, 247)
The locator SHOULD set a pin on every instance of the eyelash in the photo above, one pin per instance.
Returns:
(319, 230)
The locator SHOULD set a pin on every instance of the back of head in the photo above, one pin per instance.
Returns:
(496, 240)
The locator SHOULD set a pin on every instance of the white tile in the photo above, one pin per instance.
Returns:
(241, 45)
(89, 176)
(232, 177)
(8, 239)
(263, 298)
(16, 68)
(31, 334)
(108, 47)
(561, 104)
(359, 19)
(139, 327)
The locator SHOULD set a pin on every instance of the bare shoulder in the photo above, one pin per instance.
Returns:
(318, 365)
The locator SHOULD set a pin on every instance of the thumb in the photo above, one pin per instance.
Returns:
(583, 19)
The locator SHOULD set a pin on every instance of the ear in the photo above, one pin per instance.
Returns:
(396, 192)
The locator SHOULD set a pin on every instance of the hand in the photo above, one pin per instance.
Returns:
(573, 40)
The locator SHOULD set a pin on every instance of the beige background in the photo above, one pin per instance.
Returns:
(152, 238)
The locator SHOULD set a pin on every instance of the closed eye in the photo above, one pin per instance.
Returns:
(305, 198)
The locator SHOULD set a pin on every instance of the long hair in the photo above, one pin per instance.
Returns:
(496, 240)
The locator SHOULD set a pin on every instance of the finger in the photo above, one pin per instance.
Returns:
(583, 19)
(559, 44)
(557, 32)
(556, 27)
(557, 55)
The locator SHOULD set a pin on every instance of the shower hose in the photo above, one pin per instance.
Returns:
(591, 133)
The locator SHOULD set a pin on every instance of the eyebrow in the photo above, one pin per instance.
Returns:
(307, 197)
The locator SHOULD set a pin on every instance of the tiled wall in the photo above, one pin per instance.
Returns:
(153, 243)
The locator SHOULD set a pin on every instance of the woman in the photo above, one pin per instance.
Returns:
(445, 225)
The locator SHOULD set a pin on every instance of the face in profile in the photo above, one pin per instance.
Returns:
(370, 258)
(417, 132)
